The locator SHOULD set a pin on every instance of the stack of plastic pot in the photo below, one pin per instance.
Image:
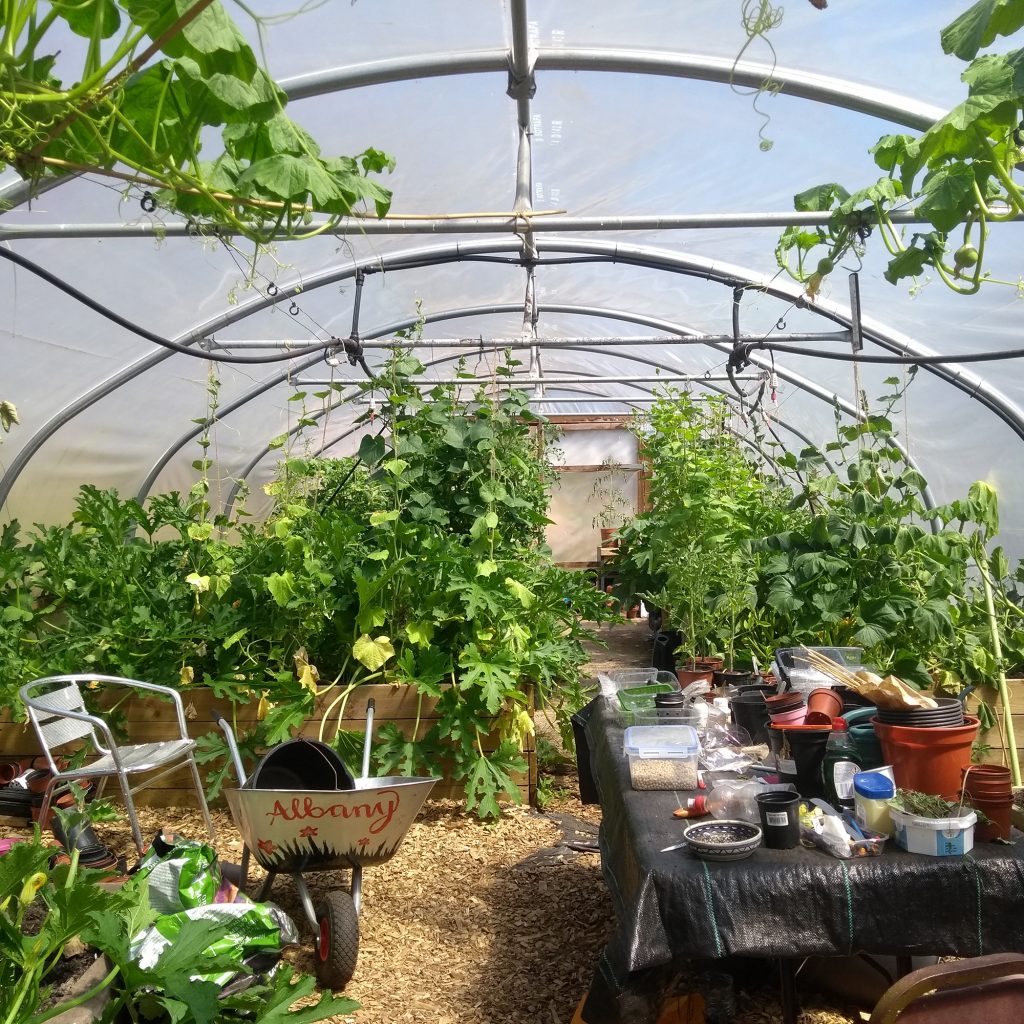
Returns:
(988, 786)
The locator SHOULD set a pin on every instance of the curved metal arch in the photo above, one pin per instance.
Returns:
(644, 256)
(882, 103)
(342, 399)
(838, 92)
(400, 325)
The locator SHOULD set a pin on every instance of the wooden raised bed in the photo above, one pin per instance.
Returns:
(151, 718)
(995, 739)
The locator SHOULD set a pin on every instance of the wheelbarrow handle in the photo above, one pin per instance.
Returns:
(232, 745)
(368, 738)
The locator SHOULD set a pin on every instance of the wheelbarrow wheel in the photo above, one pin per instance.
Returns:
(337, 946)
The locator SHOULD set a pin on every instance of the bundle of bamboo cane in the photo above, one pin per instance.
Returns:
(890, 692)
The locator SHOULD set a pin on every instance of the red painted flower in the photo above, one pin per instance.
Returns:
(364, 840)
(265, 845)
(308, 831)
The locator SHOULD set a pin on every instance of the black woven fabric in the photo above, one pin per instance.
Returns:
(777, 903)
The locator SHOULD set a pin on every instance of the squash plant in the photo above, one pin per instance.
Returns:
(137, 100)
(458, 596)
(961, 175)
(863, 568)
(424, 564)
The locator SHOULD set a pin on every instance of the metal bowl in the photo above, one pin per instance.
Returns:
(722, 840)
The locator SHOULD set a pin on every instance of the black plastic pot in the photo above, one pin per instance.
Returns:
(807, 747)
(750, 712)
(301, 764)
(728, 677)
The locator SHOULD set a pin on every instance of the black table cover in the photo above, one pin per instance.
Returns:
(777, 903)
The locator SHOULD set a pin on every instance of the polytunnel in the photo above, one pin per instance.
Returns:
(414, 400)
(585, 188)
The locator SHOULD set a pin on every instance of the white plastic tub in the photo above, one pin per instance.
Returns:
(936, 837)
(662, 756)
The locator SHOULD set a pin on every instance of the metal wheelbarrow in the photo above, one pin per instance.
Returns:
(326, 828)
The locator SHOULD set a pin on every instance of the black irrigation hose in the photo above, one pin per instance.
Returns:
(842, 357)
(142, 332)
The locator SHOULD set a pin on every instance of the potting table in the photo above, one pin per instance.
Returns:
(780, 904)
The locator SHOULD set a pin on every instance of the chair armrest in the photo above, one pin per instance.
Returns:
(166, 691)
(78, 716)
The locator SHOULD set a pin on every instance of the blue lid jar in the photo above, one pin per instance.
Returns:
(873, 786)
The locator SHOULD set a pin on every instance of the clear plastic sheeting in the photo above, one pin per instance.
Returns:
(638, 119)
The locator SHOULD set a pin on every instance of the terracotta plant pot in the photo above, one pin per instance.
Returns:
(818, 718)
(999, 811)
(825, 700)
(693, 675)
(608, 537)
(928, 760)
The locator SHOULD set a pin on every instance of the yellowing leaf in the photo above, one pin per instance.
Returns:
(309, 678)
(200, 531)
(201, 583)
(262, 708)
(8, 415)
(420, 633)
(524, 594)
(186, 675)
(488, 567)
(373, 653)
(388, 516)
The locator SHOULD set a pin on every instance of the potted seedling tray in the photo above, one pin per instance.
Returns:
(639, 700)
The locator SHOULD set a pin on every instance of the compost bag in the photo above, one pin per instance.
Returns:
(185, 884)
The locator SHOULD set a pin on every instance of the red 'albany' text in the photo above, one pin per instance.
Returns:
(378, 813)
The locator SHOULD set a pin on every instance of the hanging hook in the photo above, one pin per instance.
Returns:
(271, 290)
(294, 308)
(148, 202)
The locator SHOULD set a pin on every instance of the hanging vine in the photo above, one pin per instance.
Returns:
(156, 75)
(961, 175)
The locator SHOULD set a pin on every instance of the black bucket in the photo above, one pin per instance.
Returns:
(301, 764)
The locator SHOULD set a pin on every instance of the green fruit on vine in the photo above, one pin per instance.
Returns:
(825, 266)
(965, 256)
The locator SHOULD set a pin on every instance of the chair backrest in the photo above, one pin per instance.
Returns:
(46, 700)
(988, 988)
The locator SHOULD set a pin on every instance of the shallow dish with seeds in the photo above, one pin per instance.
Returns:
(722, 840)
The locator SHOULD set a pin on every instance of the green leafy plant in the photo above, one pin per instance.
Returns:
(960, 175)
(423, 563)
(692, 549)
(154, 77)
(42, 908)
(925, 805)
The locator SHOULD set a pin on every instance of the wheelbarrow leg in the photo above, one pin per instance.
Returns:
(304, 899)
(268, 882)
(357, 886)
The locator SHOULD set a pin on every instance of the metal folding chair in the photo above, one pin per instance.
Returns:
(58, 713)
(988, 988)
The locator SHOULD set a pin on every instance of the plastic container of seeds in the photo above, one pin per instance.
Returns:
(662, 756)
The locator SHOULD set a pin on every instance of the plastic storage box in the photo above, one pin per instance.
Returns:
(662, 756)
(937, 837)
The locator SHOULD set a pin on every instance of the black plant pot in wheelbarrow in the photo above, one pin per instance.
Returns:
(301, 810)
